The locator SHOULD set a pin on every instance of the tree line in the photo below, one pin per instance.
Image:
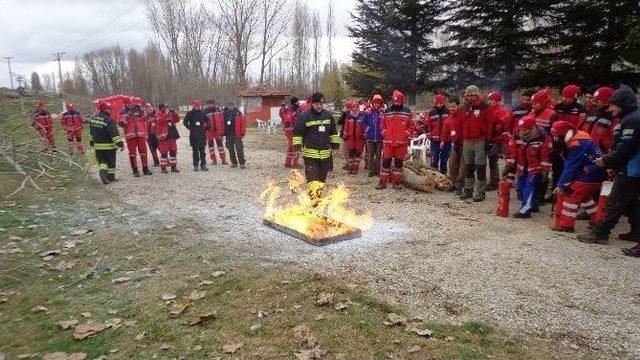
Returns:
(420, 46)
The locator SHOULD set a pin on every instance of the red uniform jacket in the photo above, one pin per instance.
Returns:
(151, 122)
(573, 113)
(398, 125)
(134, 123)
(216, 121)
(166, 125)
(500, 119)
(530, 157)
(353, 129)
(477, 123)
(600, 125)
(41, 119)
(545, 118)
(288, 117)
(435, 123)
(457, 122)
(72, 121)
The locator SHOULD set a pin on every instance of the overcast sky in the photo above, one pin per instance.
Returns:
(32, 30)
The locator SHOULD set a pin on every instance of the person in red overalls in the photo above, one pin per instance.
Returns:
(135, 126)
(288, 115)
(353, 135)
(397, 129)
(215, 132)
(569, 109)
(601, 122)
(73, 124)
(167, 138)
(434, 127)
(152, 140)
(41, 121)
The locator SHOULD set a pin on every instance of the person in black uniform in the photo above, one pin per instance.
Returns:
(105, 139)
(197, 122)
(315, 136)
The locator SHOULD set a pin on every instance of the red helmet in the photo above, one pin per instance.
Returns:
(604, 94)
(136, 101)
(527, 122)
(571, 91)
(196, 103)
(439, 99)
(69, 106)
(40, 103)
(397, 97)
(561, 128)
(352, 106)
(377, 97)
(104, 105)
(127, 100)
(541, 97)
(495, 96)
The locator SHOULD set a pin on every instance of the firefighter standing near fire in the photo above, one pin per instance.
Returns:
(528, 151)
(215, 133)
(105, 139)
(42, 122)
(135, 126)
(397, 129)
(353, 135)
(288, 115)
(73, 125)
(580, 177)
(624, 159)
(315, 136)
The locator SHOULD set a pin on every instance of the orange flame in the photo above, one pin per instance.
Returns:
(317, 218)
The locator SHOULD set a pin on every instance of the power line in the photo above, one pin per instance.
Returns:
(58, 58)
(10, 74)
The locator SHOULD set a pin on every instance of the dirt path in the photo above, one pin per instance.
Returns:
(443, 259)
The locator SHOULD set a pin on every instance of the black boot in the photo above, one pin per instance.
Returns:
(196, 168)
(520, 215)
(397, 186)
(174, 169)
(593, 238)
(104, 177)
(136, 173)
(164, 171)
(111, 177)
(633, 235)
(466, 194)
(204, 167)
(146, 171)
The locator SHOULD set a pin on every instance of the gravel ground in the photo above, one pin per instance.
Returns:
(441, 258)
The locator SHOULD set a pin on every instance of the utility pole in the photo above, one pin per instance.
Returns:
(58, 58)
(280, 72)
(10, 74)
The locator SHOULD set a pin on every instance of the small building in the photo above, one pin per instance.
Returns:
(261, 102)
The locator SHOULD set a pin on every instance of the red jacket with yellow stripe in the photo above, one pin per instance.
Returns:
(530, 157)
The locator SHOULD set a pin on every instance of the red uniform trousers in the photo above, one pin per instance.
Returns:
(46, 133)
(291, 160)
(74, 139)
(168, 150)
(392, 152)
(214, 142)
(580, 195)
(135, 145)
(354, 155)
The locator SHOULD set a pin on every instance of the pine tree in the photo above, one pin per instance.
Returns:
(493, 43)
(36, 85)
(393, 39)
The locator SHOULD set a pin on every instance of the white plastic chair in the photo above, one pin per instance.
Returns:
(273, 125)
(262, 125)
(421, 144)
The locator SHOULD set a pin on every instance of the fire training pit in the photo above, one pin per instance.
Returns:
(342, 233)
(319, 220)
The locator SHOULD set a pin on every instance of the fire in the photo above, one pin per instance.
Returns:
(316, 218)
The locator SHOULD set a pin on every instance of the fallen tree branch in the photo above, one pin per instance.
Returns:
(21, 171)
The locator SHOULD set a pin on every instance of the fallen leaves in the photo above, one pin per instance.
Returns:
(38, 309)
(394, 319)
(302, 333)
(177, 309)
(262, 314)
(325, 299)
(64, 356)
(218, 273)
(169, 226)
(120, 280)
(83, 331)
(67, 324)
(82, 232)
(50, 253)
(196, 295)
(232, 347)
(313, 354)
(65, 265)
(415, 348)
(140, 336)
(210, 315)
(343, 305)
(168, 297)
(113, 323)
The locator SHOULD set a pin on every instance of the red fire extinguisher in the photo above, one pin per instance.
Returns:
(504, 196)
(602, 200)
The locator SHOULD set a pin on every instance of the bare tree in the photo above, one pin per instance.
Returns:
(331, 30)
(274, 15)
(299, 30)
(316, 35)
(165, 17)
(239, 23)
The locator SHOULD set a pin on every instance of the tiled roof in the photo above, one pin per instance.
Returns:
(262, 90)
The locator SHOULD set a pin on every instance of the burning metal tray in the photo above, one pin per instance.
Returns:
(352, 233)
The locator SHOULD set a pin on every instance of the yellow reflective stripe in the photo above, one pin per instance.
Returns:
(117, 138)
(297, 140)
(315, 154)
(318, 122)
(97, 122)
(105, 146)
(111, 171)
(334, 139)
(103, 167)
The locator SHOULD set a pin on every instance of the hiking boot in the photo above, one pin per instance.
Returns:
(164, 171)
(156, 163)
(104, 177)
(196, 168)
(478, 198)
(466, 194)
(136, 173)
(381, 186)
(559, 228)
(175, 170)
(146, 171)
(520, 215)
(243, 166)
(633, 252)
(593, 238)
(630, 236)
(234, 165)
(204, 168)
(397, 186)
